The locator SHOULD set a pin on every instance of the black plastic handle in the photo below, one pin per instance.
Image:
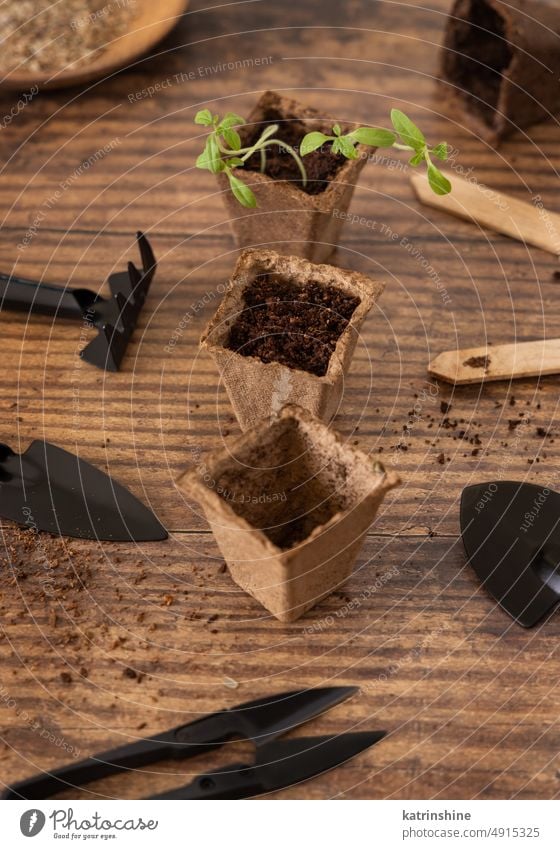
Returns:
(185, 741)
(241, 781)
(45, 784)
(6, 454)
(17, 293)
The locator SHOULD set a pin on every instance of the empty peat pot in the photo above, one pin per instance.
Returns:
(305, 221)
(289, 504)
(285, 333)
(503, 58)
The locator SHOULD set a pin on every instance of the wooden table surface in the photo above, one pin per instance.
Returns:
(101, 643)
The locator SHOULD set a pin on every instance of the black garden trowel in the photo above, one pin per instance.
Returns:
(511, 533)
(49, 489)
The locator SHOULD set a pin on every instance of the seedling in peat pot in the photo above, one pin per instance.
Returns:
(225, 153)
(405, 136)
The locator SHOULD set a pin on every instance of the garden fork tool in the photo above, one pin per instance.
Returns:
(278, 764)
(115, 318)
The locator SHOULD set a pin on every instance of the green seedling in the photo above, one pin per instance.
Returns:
(223, 151)
(404, 136)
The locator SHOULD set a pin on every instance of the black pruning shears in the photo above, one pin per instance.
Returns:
(277, 764)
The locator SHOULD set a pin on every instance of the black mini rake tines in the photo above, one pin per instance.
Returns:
(114, 318)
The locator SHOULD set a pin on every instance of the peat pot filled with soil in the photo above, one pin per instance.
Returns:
(289, 504)
(285, 332)
(304, 220)
(503, 61)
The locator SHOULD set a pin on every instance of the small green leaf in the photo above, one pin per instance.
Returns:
(215, 164)
(202, 161)
(235, 162)
(232, 120)
(374, 136)
(242, 192)
(345, 146)
(207, 157)
(203, 117)
(407, 130)
(439, 184)
(311, 142)
(416, 159)
(337, 129)
(440, 150)
(232, 138)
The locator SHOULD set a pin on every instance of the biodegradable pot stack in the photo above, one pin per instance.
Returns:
(305, 225)
(256, 389)
(289, 505)
(288, 502)
(504, 60)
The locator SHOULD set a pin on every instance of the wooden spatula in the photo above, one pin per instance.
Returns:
(498, 362)
(526, 222)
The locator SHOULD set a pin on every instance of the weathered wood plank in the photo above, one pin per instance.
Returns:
(165, 408)
(151, 636)
(470, 699)
(350, 67)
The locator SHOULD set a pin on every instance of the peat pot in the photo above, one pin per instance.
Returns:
(289, 503)
(257, 389)
(287, 217)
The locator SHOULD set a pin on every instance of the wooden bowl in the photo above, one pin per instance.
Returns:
(152, 21)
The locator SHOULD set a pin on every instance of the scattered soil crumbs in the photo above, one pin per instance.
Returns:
(321, 165)
(297, 326)
(464, 429)
(50, 580)
(39, 35)
(478, 362)
(62, 568)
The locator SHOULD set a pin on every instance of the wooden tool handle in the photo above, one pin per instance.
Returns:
(498, 362)
(526, 222)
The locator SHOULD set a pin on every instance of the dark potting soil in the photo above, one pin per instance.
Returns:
(321, 165)
(478, 362)
(297, 326)
(481, 54)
